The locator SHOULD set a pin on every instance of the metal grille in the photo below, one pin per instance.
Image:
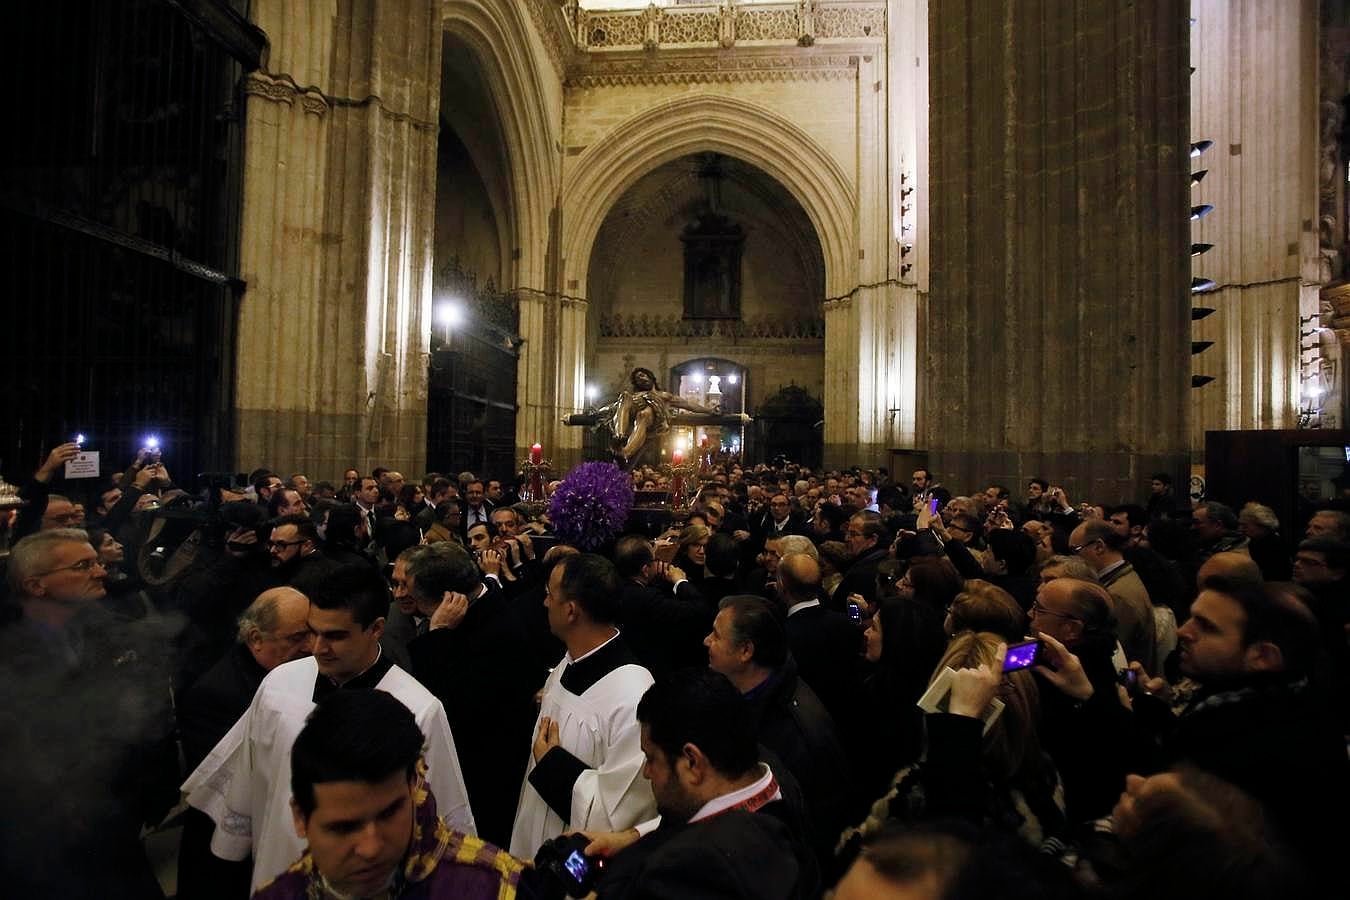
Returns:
(118, 228)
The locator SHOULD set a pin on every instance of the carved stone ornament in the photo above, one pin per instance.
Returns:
(260, 85)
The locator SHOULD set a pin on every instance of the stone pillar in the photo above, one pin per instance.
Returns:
(870, 351)
(1058, 325)
(337, 226)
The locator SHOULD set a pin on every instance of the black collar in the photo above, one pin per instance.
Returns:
(579, 677)
(323, 685)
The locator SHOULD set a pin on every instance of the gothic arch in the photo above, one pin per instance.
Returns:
(500, 36)
(728, 126)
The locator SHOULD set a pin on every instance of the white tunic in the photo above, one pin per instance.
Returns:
(600, 728)
(244, 784)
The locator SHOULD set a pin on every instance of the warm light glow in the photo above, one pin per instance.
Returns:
(592, 392)
(697, 377)
(733, 378)
(1313, 391)
(450, 314)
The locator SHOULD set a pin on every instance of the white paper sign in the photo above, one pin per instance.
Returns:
(84, 465)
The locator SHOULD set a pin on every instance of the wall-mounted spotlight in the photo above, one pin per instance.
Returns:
(1197, 249)
(1199, 212)
(1200, 147)
(1201, 380)
(1202, 285)
(1200, 312)
(1198, 347)
(1197, 177)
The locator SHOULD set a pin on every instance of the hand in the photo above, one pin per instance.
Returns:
(741, 535)
(608, 843)
(401, 514)
(454, 607)
(1067, 673)
(512, 553)
(144, 478)
(490, 562)
(1144, 683)
(547, 738)
(674, 574)
(59, 456)
(161, 474)
(526, 545)
(972, 689)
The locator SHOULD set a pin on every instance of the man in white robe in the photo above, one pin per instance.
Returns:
(585, 771)
(244, 783)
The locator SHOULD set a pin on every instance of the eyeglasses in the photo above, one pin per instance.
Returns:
(282, 545)
(84, 565)
(1038, 610)
(1081, 547)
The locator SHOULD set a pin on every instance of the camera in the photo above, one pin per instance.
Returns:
(564, 869)
(1126, 678)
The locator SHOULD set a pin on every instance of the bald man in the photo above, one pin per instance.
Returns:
(825, 643)
(1239, 567)
(272, 631)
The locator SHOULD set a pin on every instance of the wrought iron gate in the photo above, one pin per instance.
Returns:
(119, 218)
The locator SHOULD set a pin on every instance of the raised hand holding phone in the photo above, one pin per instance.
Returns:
(1059, 666)
(973, 689)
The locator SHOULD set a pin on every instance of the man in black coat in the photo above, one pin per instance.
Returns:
(1260, 719)
(474, 658)
(748, 645)
(272, 630)
(868, 542)
(665, 618)
(727, 828)
(826, 644)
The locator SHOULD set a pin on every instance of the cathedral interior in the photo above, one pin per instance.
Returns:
(1046, 237)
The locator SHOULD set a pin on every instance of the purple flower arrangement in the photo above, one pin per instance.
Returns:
(591, 505)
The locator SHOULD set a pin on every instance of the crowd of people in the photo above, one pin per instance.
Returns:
(811, 682)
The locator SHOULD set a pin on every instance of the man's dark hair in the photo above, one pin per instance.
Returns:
(1162, 477)
(321, 486)
(259, 480)
(1221, 513)
(1000, 492)
(1014, 548)
(1045, 485)
(304, 526)
(753, 621)
(1274, 614)
(378, 472)
(359, 589)
(700, 707)
(440, 484)
(650, 374)
(1137, 515)
(359, 735)
(927, 475)
(631, 554)
(593, 582)
(342, 522)
(834, 516)
(872, 526)
(242, 514)
(440, 567)
(1336, 554)
(722, 555)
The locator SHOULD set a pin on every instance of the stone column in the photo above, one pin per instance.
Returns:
(337, 225)
(1058, 321)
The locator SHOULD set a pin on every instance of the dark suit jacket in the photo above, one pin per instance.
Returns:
(481, 671)
(206, 712)
(861, 578)
(741, 855)
(791, 721)
(665, 631)
(826, 645)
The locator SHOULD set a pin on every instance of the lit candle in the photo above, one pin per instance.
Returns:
(677, 457)
(536, 454)
(704, 442)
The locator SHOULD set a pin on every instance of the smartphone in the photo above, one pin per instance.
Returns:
(933, 506)
(1022, 656)
(1127, 678)
(855, 612)
(79, 440)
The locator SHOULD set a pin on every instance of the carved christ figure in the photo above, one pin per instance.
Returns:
(639, 415)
